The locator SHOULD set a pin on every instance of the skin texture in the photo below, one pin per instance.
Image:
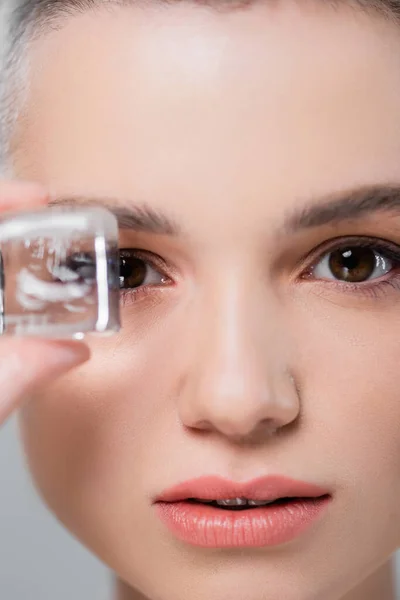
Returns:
(227, 122)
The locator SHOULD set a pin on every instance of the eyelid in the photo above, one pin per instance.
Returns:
(146, 256)
(155, 261)
(389, 249)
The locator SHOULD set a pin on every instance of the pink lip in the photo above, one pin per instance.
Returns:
(263, 488)
(212, 527)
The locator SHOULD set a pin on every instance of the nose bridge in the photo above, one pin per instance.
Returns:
(237, 381)
(235, 319)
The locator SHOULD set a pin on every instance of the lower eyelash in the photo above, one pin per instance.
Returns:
(131, 294)
(375, 290)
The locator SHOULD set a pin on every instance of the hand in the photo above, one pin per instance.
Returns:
(28, 363)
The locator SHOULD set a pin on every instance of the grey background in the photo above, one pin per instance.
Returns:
(39, 560)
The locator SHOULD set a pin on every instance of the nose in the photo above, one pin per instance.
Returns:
(238, 383)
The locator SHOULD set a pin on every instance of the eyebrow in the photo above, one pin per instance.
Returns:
(140, 218)
(333, 209)
(352, 205)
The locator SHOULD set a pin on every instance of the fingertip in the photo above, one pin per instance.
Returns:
(74, 348)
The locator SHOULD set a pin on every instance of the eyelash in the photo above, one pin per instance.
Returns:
(374, 288)
(155, 262)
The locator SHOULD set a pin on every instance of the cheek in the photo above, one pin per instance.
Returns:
(349, 376)
(349, 380)
(89, 436)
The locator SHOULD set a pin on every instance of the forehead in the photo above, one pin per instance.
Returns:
(207, 111)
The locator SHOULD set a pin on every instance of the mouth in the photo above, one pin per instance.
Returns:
(225, 493)
(240, 504)
(213, 512)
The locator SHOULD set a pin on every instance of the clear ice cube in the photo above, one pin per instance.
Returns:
(59, 272)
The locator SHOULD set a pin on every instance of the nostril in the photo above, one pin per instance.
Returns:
(269, 426)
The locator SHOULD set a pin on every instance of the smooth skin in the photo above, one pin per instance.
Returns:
(228, 122)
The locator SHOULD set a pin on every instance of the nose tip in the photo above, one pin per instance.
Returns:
(248, 409)
(237, 381)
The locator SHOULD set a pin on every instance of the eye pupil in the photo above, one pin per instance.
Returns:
(352, 264)
(132, 272)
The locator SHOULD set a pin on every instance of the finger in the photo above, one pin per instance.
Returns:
(27, 364)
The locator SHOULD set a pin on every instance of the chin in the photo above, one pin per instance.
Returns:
(237, 575)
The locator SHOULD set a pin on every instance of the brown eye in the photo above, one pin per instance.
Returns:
(355, 264)
(135, 271)
(352, 264)
(132, 271)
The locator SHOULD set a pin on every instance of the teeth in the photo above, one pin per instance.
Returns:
(243, 502)
(232, 502)
(238, 502)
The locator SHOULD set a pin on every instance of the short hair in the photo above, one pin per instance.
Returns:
(28, 20)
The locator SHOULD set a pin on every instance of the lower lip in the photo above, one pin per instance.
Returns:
(209, 527)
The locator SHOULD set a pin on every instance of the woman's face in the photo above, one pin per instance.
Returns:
(257, 339)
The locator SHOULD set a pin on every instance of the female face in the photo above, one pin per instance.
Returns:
(261, 315)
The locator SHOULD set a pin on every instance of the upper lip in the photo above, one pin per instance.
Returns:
(266, 488)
